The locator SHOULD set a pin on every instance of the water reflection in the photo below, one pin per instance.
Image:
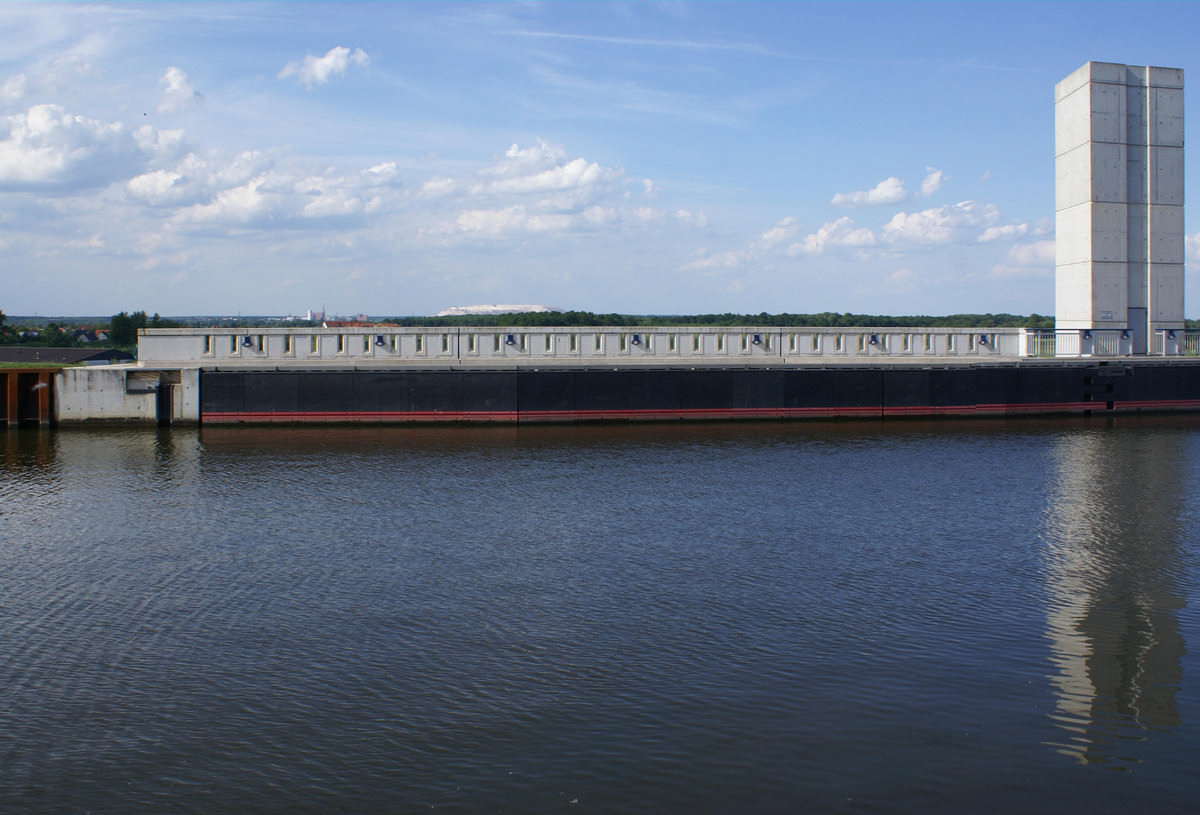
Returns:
(77, 470)
(29, 466)
(1113, 558)
(643, 618)
(30, 451)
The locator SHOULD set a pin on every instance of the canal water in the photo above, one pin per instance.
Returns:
(851, 617)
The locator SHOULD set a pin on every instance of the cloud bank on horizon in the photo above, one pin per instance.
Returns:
(201, 159)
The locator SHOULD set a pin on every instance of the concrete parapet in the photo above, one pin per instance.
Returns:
(624, 345)
(126, 393)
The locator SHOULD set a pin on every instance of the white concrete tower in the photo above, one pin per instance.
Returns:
(1118, 144)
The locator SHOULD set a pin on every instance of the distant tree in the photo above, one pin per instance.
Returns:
(2, 319)
(54, 336)
(124, 328)
(825, 319)
(120, 330)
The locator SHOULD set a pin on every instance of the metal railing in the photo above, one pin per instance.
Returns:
(1107, 342)
(1175, 343)
(1078, 342)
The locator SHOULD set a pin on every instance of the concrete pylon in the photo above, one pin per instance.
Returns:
(1118, 137)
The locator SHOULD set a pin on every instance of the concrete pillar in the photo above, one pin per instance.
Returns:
(1119, 199)
(44, 390)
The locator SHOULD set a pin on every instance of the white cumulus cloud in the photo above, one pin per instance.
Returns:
(156, 186)
(319, 70)
(574, 174)
(519, 161)
(49, 148)
(1004, 233)
(536, 189)
(780, 232)
(179, 93)
(888, 191)
(841, 232)
(510, 219)
(261, 189)
(706, 261)
(437, 187)
(253, 201)
(933, 181)
(940, 224)
(198, 178)
(778, 240)
(544, 178)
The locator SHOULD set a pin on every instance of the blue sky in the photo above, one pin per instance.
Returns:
(645, 158)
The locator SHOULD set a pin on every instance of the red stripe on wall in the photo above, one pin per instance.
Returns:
(234, 417)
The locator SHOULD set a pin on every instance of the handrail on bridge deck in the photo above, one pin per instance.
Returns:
(1175, 343)
(1107, 342)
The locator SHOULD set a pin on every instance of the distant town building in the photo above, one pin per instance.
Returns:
(86, 335)
(31, 355)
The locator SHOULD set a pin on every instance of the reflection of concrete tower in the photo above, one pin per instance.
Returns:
(1113, 538)
(1119, 199)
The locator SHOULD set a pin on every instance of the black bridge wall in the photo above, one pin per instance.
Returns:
(590, 394)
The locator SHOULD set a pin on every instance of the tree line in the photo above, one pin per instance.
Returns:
(826, 319)
(122, 328)
(119, 332)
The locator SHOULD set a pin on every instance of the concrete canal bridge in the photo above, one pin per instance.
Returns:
(1120, 343)
(388, 373)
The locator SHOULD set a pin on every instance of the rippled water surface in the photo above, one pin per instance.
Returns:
(854, 617)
